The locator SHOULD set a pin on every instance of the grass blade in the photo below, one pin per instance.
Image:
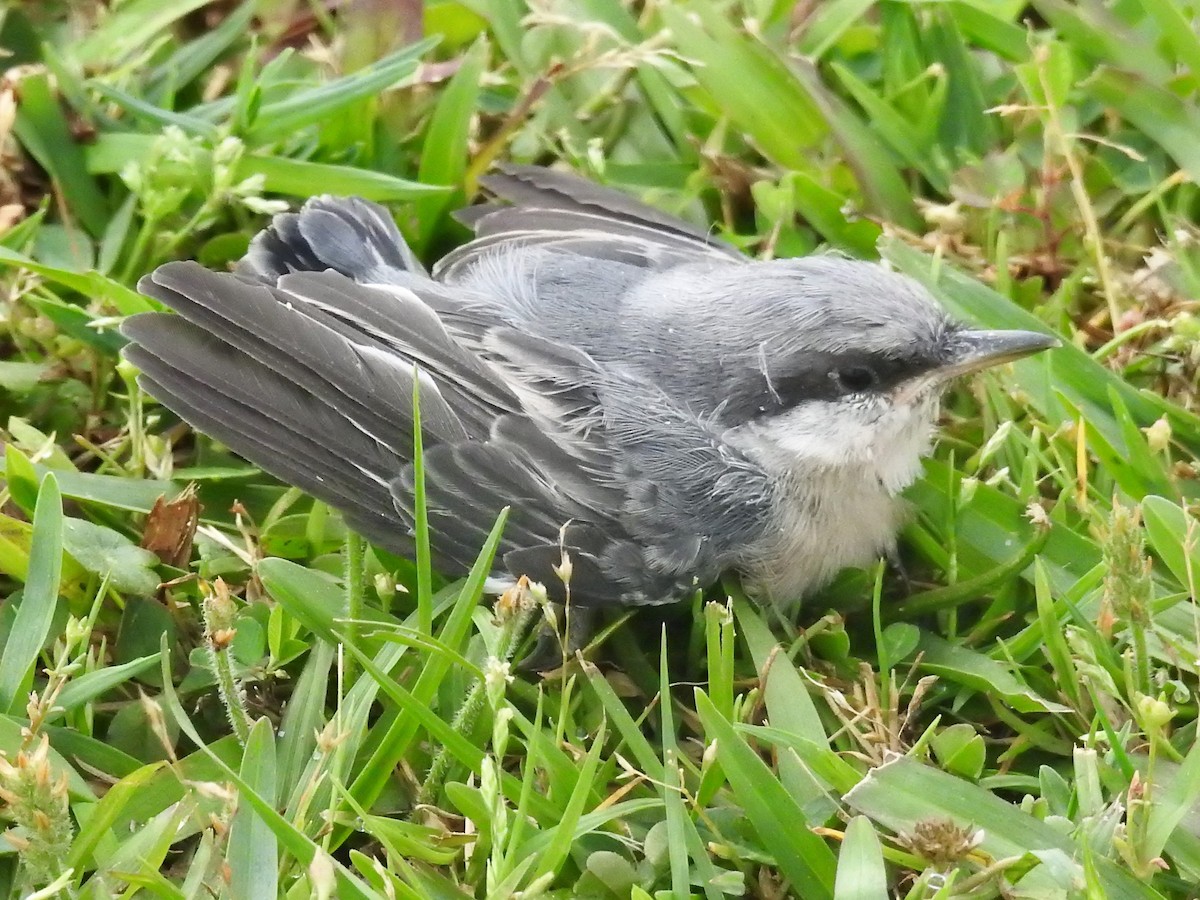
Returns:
(307, 107)
(860, 873)
(90, 685)
(803, 857)
(303, 849)
(903, 792)
(449, 131)
(305, 714)
(131, 27)
(39, 600)
(563, 834)
(1158, 112)
(421, 517)
(105, 813)
(44, 132)
(253, 851)
(683, 840)
(375, 773)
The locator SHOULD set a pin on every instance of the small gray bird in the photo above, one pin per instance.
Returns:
(643, 396)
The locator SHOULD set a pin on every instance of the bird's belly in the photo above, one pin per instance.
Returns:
(817, 534)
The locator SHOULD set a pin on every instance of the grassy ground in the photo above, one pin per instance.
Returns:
(1018, 720)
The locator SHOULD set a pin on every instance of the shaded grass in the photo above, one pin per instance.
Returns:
(1022, 720)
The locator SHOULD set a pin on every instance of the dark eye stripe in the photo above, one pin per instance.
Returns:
(816, 377)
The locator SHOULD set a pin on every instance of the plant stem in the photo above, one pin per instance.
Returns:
(355, 586)
(464, 719)
(219, 629)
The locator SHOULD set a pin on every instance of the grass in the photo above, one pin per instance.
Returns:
(1019, 719)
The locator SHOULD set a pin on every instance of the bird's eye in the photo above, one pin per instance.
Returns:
(856, 379)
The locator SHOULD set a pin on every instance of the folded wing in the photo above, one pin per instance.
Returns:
(298, 365)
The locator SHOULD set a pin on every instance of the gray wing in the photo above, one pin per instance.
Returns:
(312, 378)
(557, 210)
(689, 503)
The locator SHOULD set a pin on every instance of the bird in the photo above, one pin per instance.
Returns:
(651, 404)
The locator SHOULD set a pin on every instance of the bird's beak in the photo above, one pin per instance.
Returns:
(971, 351)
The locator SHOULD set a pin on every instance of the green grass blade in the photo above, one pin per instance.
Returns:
(828, 23)
(307, 107)
(458, 745)
(448, 137)
(749, 86)
(1161, 114)
(305, 714)
(1098, 34)
(145, 111)
(90, 284)
(969, 589)
(90, 685)
(563, 835)
(421, 517)
(297, 177)
(963, 665)
(191, 60)
(685, 848)
(778, 820)
(378, 769)
(113, 150)
(252, 855)
(786, 693)
(1175, 538)
(985, 27)
(669, 791)
(883, 187)
(1172, 805)
(1054, 645)
(130, 28)
(624, 724)
(43, 130)
(105, 813)
(290, 838)
(314, 599)
(905, 141)
(903, 792)
(20, 478)
(1176, 30)
(39, 599)
(860, 873)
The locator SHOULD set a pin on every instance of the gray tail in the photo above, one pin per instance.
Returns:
(352, 236)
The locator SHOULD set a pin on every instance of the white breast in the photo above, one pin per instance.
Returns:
(839, 471)
(821, 527)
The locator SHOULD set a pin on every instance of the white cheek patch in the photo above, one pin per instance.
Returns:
(907, 437)
(885, 440)
(821, 433)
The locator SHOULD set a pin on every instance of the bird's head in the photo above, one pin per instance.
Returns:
(848, 366)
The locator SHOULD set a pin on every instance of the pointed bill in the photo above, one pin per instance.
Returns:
(972, 351)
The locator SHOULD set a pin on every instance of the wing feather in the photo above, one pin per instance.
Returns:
(560, 211)
(537, 186)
